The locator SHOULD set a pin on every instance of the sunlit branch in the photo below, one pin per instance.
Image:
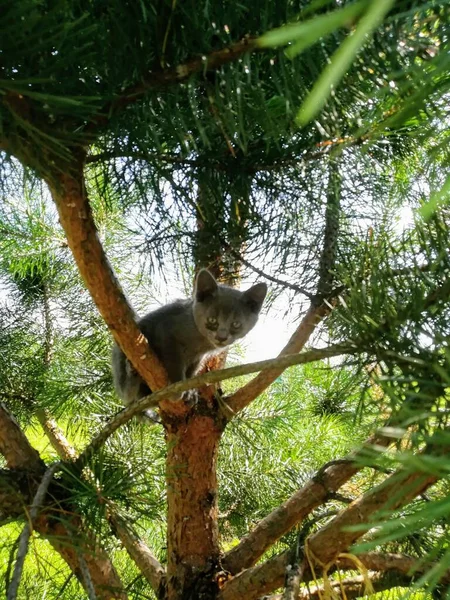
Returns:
(19, 454)
(136, 548)
(257, 581)
(75, 214)
(146, 562)
(14, 445)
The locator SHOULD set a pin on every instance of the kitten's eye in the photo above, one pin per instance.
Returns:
(236, 325)
(212, 321)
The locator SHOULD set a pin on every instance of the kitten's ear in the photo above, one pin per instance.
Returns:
(205, 286)
(254, 297)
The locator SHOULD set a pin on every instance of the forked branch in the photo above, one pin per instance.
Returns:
(175, 390)
(136, 548)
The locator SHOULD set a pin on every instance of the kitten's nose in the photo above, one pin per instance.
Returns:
(221, 335)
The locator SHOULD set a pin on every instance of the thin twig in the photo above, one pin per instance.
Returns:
(281, 282)
(26, 532)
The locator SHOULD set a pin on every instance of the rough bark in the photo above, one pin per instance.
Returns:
(69, 194)
(270, 575)
(331, 540)
(17, 450)
(192, 528)
(396, 491)
(56, 436)
(67, 541)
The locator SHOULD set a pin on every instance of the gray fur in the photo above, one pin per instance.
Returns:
(184, 332)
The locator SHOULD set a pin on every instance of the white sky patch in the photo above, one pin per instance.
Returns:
(405, 219)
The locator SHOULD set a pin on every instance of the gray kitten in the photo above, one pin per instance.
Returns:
(184, 332)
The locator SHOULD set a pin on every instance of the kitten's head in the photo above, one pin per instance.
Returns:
(223, 314)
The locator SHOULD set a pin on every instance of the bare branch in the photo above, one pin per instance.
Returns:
(27, 530)
(175, 389)
(56, 436)
(253, 583)
(396, 491)
(88, 583)
(149, 566)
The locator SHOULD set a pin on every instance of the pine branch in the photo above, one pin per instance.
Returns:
(225, 166)
(60, 534)
(56, 436)
(396, 491)
(20, 455)
(75, 214)
(146, 562)
(315, 492)
(353, 587)
(166, 77)
(330, 541)
(174, 391)
(136, 548)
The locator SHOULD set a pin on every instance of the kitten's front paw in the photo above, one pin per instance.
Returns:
(190, 397)
(149, 416)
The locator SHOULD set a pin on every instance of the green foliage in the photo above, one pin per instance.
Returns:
(182, 175)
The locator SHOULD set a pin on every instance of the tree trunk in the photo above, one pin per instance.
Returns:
(192, 530)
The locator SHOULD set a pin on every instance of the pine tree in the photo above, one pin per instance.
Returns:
(171, 136)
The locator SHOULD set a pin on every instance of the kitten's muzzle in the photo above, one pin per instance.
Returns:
(221, 337)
